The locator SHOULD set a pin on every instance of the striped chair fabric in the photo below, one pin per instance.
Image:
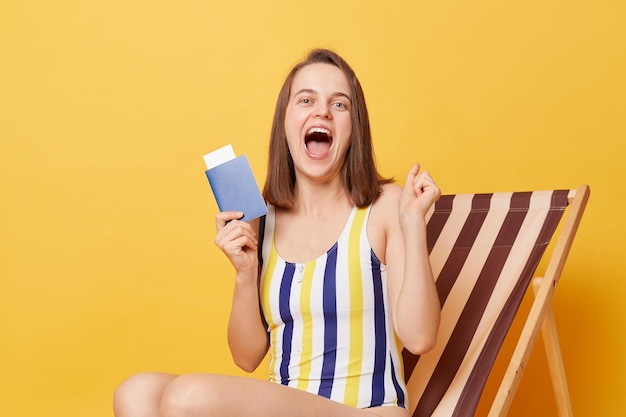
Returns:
(484, 250)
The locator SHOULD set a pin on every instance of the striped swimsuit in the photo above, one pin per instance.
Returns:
(330, 333)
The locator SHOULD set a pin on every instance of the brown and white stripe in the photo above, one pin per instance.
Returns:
(484, 250)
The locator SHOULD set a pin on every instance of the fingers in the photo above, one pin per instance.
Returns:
(423, 183)
(237, 245)
(423, 179)
(223, 217)
(234, 234)
(418, 181)
(238, 240)
(420, 191)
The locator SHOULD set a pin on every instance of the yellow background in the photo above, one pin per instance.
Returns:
(107, 262)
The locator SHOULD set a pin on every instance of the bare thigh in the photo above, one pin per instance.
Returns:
(221, 395)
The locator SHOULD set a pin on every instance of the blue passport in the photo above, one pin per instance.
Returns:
(233, 183)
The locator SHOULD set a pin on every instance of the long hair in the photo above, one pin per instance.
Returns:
(358, 175)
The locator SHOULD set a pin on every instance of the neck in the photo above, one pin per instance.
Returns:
(315, 199)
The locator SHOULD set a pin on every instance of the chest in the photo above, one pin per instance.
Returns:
(301, 240)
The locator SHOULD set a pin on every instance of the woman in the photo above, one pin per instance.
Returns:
(330, 281)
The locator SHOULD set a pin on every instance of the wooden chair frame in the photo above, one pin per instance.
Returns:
(542, 317)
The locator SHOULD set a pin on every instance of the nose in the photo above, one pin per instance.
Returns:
(322, 110)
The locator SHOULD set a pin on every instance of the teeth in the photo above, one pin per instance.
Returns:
(318, 130)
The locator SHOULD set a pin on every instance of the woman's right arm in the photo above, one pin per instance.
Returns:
(247, 336)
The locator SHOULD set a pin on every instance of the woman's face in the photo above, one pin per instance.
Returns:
(318, 124)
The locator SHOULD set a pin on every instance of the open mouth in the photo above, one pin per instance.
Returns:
(318, 141)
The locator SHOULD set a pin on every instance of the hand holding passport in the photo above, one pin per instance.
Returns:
(233, 183)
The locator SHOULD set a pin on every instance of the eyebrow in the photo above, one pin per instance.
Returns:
(312, 91)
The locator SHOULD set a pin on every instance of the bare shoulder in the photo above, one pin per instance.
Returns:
(391, 192)
(387, 202)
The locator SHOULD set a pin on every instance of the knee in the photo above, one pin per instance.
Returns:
(139, 395)
(192, 395)
(127, 393)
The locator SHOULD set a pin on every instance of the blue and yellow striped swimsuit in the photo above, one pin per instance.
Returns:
(330, 333)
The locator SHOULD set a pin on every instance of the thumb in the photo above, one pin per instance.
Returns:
(410, 177)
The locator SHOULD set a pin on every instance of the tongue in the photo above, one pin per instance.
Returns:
(318, 148)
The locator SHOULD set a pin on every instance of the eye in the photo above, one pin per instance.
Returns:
(340, 105)
(305, 101)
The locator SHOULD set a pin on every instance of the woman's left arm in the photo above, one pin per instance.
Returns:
(414, 300)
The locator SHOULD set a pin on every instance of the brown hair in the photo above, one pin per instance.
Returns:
(359, 174)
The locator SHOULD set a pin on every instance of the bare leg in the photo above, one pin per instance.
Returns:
(140, 395)
(205, 395)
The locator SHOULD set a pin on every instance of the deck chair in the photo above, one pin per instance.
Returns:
(484, 250)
